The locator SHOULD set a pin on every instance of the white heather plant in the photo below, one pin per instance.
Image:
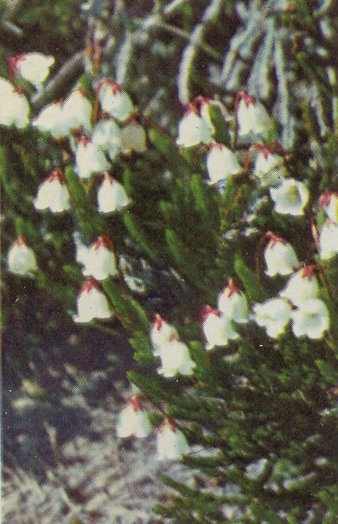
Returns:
(14, 106)
(268, 403)
(33, 67)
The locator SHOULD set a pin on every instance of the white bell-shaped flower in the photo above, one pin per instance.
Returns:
(311, 319)
(114, 100)
(91, 303)
(171, 442)
(175, 359)
(161, 332)
(133, 138)
(252, 117)
(290, 197)
(233, 303)
(14, 107)
(280, 257)
(77, 111)
(221, 163)
(273, 315)
(329, 202)
(21, 258)
(301, 286)
(328, 240)
(99, 259)
(133, 420)
(89, 157)
(51, 120)
(193, 129)
(33, 67)
(107, 136)
(216, 327)
(268, 167)
(53, 193)
(111, 195)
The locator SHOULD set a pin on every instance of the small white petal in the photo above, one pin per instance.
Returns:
(111, 196)
(92, 303)
(233, 304)
(14, 107)
(33, 67)
(328, 241)
(311, 319)
(273, 315)
(21, 259)
(107, 135)
(221, 163)
(175, 359)
(252, 117)
(300, 287)
(280, 258)
(77, 111)
(290, 197)
(171, 443)
(115, 101)
(193, 130)
(217, 329)
(89, 159)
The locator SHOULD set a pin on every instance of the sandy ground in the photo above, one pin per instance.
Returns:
(63, 463)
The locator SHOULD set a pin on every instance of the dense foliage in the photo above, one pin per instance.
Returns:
(254, 392)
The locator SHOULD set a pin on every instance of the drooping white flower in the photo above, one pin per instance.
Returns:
(133, 138)
(161, 332)
(14, 107)
(290, 197)
(33, 67)
(77, 111)
(114, 100)
(274, 315)
(91, 303)
(268, 166)
(252, 117)
(233, 303)
(311, 319)
(133, 420)
(51, 120)
(328, 240)
(216, 327)
(280, 257)
(301, 286)
(175, 359)
(21, 258)
(99, 259)
(53, 193)
(171, 442)
(107, 136)
(111, 195)
(221, 163)
(193, 129)
(89, 157)
(329, 202)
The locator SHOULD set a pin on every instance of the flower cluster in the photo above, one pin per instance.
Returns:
(133, 420)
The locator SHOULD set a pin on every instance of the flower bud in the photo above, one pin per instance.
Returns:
(280, 257)
(273, 315)
(89, 158)
(99, 259)
(301, 286)
(114, 100)
(111, 195)
(252, 117)
(216, 327)
(51, 120)
(14, 107)
(175, 359)
(107, 136)
(193, 129)
(133, 138)
(133, 420)
(328, 240)
(53, 193)
(329, 202)
(311, 319)
(290, 197)
(33, 67)
(161, 332)
(171, 442)
(77, 111)
(92, 303)
(21, 258)
(233, 303)
(221, 163)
